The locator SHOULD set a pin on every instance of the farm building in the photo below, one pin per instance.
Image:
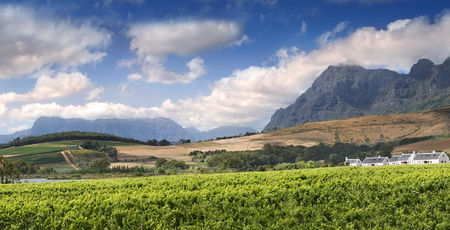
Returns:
(431, 158)
(375, 161)
(403, 159)
(352, 162)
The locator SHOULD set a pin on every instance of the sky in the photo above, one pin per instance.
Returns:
(202, 63)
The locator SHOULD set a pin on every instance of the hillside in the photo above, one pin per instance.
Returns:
(360, 130)
(342, 92)
(441, 144)
(45, 150)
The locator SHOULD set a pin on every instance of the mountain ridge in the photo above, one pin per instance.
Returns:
(342, 92)
(140, 129)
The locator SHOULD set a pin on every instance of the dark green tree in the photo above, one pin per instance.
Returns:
(8, 171)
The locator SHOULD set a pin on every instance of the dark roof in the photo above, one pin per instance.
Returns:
(371, 160)
(427, 156)
(403, 157)
(353, 161)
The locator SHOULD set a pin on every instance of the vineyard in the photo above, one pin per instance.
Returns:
(402, 197)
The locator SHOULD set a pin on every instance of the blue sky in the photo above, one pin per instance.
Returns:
(203, 63)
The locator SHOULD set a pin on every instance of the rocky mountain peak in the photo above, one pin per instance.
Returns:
(422, 69)
(349, 91)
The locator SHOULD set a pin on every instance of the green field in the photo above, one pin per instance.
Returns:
(27, 150)
(42, 158)
(392, 197)
(48, 153)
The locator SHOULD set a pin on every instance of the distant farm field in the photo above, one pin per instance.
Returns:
(391, 197)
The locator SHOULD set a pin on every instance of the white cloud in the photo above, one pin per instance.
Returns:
(2, 109)
(28, 42)
(155, 72)
(304, 27)
(250, 96)
(330, 35)
(91, 110)
(135, 76)
(47, 87)
(153, 42)
(94, 93)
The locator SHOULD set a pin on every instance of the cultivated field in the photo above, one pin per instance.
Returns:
(391, 197)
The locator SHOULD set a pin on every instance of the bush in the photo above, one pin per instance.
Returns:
(160, 162)
(99, 166)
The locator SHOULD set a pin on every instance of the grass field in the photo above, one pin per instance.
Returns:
(392, 197)
(27, 150)
(41, 159)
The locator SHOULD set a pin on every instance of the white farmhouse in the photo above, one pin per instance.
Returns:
(375, 161)
(352, 162)
(431, 158)
(404, 159)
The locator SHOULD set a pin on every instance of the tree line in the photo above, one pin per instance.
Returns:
(272, 155)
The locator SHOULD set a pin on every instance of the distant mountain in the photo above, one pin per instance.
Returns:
(349, 91)
(140, 129)
(225, 131)
(9, 137)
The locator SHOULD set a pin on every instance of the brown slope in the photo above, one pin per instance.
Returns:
(441, 144)
(367, 129)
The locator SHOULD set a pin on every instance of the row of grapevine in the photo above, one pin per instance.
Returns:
(402, 197)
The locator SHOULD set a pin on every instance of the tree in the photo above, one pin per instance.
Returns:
(160, 162)
(386, 150)
(164, 142)
(8, 171)
(99, 166)
(152, 142)
(90, 145)
(335, 159)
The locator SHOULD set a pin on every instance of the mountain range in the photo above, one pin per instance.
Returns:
(342, 92)
(141, 129)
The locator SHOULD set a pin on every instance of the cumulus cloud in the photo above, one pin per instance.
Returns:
(2, 109)
(91, 110)
(153, 42)
(250, 96)
(48, 87)
(155, 72)
(28, 42)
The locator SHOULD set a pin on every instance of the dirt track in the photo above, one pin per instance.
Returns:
(66, 155)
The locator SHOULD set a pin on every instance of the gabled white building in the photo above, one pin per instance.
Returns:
(375, 161)
(352, 162)
(431, 158)
(404, 159)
